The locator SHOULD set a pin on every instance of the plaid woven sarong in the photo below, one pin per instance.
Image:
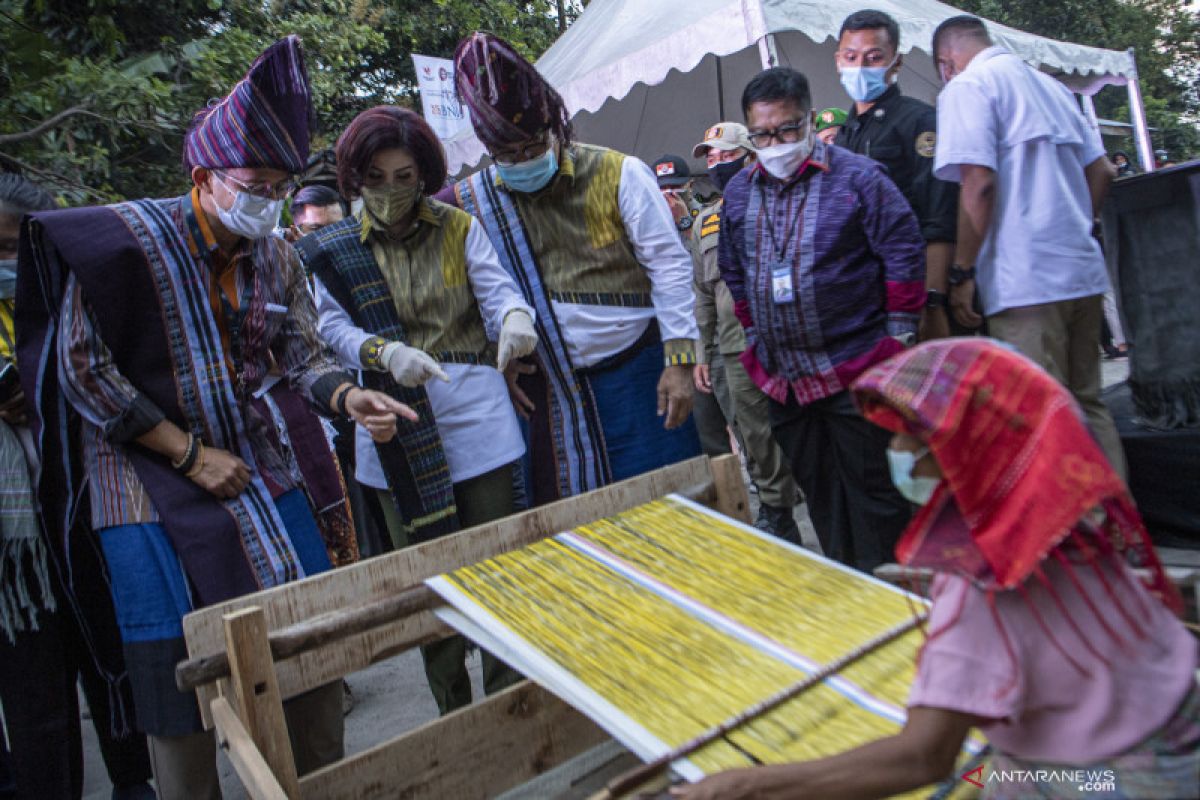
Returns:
(414, 462)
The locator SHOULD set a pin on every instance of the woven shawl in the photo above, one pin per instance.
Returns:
(1020, 467)
(568, 409)
(149, 298)
(414, 462)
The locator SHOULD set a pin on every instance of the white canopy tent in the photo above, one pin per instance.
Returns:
(647, 77)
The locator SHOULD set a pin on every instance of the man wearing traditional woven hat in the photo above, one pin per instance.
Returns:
(727, 149)
(829, 124)
(590, 241)
(147, 327)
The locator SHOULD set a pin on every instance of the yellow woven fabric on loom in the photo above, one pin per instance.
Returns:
(681, 619)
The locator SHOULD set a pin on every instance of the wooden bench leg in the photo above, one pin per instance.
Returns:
(256, 700)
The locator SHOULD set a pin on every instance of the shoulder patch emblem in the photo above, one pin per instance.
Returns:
(926, 144)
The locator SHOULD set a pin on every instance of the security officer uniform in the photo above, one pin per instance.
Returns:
(901, 134)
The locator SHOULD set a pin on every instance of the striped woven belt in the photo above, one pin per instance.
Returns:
(450, 357)
(624, 299)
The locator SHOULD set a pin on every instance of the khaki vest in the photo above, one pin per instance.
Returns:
(575, 229)
(426, 272)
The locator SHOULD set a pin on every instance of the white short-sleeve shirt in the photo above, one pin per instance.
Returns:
(1026, 126)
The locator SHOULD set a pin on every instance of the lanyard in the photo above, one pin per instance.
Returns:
(794, 225)
(235, 318)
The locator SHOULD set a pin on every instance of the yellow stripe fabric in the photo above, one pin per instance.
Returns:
(642, 607)
(8, 335)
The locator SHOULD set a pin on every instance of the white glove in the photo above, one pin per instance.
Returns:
(517, 338)
(410, 366)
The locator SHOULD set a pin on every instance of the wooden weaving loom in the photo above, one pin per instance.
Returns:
(249, 654)
(695, 640)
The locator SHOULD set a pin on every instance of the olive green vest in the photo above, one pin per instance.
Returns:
(575, 229)
(426, 272)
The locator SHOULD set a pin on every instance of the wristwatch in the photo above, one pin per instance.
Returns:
(959, 275)
(684, 223)
(936, 299)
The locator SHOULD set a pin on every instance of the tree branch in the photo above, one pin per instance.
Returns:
(61, 180)
(38, 130)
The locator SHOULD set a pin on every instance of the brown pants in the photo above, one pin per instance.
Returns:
(185, 767)
(1062, 337)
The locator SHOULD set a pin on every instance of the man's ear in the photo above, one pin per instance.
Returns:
(201, 178)
(899, 65)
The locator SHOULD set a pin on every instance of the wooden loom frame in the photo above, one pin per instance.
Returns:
(486, 748)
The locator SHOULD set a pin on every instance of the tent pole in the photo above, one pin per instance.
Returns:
(720, 91)
(1089, 111)
(768, 52)
(1137, 114)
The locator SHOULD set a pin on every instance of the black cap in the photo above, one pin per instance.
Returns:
(671, 171)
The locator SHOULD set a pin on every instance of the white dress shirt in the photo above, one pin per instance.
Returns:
(594, 333)
(474, 415)
(1026, 126)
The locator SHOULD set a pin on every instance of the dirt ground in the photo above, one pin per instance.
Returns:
(391, 697)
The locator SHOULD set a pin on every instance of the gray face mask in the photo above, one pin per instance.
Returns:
(8, 278)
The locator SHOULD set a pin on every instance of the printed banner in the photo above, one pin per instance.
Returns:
(442, 109)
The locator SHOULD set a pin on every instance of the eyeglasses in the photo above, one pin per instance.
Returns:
(267, 191)
(784, 134)
(522, 153)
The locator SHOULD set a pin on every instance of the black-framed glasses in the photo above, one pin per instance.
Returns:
(524, 152)
(784, 134)
(267, 191)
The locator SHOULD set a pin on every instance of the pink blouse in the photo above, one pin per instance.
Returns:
(1040, 707)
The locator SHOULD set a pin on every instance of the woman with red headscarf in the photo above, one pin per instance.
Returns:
(1040, 633)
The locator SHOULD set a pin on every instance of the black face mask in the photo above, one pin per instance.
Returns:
(723, 172)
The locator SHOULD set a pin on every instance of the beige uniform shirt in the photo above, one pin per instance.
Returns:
(719, 327)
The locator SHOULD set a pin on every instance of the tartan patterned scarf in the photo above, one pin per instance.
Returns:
(1023, 478)
(414, 461)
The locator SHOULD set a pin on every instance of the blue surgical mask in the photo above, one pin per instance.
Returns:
(531, 175)
(865, 84)
(8, 278)
(915, 489)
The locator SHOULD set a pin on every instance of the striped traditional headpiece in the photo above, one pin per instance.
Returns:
(263, 122)
(510, 102)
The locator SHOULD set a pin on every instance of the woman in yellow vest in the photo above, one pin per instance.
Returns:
(410, 290)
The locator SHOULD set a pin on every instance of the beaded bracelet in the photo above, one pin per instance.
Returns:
(185, 464)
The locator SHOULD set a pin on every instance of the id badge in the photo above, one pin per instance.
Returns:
(781, 284)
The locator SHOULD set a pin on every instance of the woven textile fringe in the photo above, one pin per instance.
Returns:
(23, 553)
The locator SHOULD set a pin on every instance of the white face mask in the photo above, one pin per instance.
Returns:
(915, 488)
(250, 216)
(783, 160)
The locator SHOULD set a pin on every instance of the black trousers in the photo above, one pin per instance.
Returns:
(38, 678)
(839, 461)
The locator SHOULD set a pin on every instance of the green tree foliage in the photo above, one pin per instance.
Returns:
(95, 95)
(1165, 35)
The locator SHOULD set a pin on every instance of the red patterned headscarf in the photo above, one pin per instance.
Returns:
(1019, 465)
(510, 102)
